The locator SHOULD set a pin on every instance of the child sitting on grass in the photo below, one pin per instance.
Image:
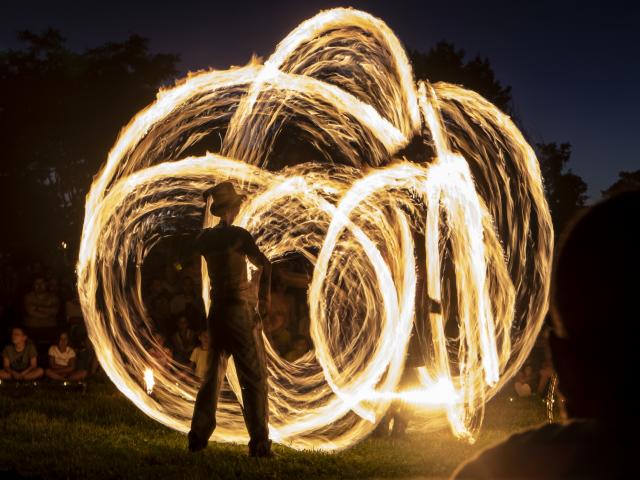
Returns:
(200, 356)
(524, 382)
(62, 360)
(184, 340)
(20, 359)
(86, 361)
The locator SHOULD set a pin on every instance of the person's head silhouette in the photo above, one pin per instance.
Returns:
(225, 201)
(594, 305)
(594, 349)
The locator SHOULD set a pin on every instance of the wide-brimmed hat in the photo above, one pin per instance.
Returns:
(223, 196)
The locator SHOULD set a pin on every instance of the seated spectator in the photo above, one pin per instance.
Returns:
(289, 295)
(594, 351)
(20, 359)
(62, 359)
(282, 302)
(299, 348)
(170, 280)
(277, 324)
(160, 312)
(184, 340)
(74, 318)
(86, 361)
(188, 302)
(160, 351)
(185, 298)
(276, 330)
(53, 287)
(193, 269)
(200, 356)
(41, 308)
(524, 380)
(158, 288)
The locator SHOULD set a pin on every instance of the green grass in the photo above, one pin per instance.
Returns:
(54, 433)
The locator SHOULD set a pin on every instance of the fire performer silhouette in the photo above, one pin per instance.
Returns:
(235, 328)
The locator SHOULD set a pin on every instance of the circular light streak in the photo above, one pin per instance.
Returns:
(399, 163)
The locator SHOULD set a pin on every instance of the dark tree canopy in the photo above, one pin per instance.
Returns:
(60, 113)
(627, 181)
(446, 63)
(566, 191)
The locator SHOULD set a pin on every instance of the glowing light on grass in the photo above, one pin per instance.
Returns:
(468, 189)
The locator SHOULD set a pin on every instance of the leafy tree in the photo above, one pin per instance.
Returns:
(565, 191)
(446, 63)
(60, 112)
(626, 181)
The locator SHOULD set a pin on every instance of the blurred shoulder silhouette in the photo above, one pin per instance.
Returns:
(594, 307)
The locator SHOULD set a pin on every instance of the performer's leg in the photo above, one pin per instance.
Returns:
(248, 352)
(204, 413)
(382, 429)
(402, 412)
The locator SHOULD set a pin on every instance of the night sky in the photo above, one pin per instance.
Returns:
(574, 66)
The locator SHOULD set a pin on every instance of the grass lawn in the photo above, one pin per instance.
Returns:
(50, 432)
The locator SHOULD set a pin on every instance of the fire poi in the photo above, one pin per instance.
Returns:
(399, 161)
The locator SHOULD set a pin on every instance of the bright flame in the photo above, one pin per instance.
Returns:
(148, 380)
(341, 82)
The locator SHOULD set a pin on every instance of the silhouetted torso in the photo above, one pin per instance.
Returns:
(226, 248)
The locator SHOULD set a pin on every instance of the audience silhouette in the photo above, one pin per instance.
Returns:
(594, 347)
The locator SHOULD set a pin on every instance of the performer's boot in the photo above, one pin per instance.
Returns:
(196, 444)
(260, 448)
(382, 429)
(400, 421)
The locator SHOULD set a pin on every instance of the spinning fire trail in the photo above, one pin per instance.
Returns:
(403, 163)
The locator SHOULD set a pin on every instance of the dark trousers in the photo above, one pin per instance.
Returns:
(234, 330)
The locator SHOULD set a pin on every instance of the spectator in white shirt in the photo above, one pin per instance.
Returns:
(200, 356)
(62, 360)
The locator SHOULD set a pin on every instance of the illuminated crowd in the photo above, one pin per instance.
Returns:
(43, 333)
(44, 336)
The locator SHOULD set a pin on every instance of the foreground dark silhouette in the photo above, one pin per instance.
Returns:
(594, 347)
